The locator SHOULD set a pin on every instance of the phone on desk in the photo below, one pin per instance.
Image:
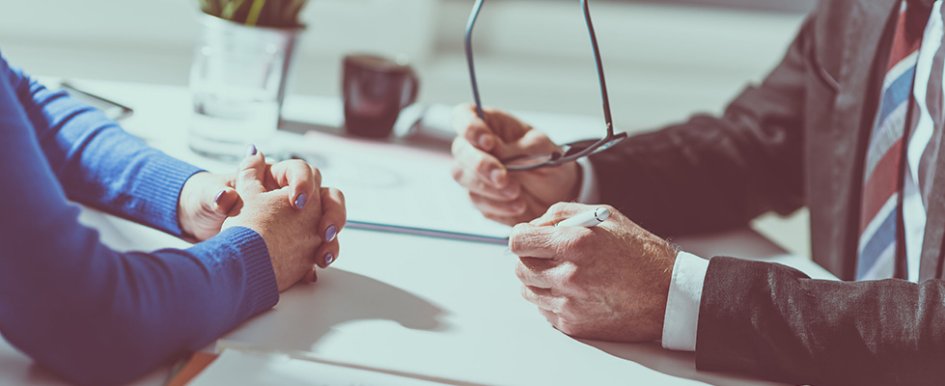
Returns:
(113, 110)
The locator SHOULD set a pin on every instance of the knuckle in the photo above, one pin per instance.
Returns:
(521, 273)
(581, 240)
(247, 173)
(565, 307)
(480, 186)
(458, 146)
(573, 243)
(565, 326)
(558, 209)
(475, 199)
(483, 165)
(517, 208)
(457, 173)
(296, 163)
(570, 277)
(517, 238)
(339, 194)
(526, 294)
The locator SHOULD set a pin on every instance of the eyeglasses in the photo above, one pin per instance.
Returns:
(569, 152)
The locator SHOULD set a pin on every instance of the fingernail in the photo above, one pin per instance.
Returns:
(300, 201)
(497, 176)
(331, 233)
(329, 258)
(485, 142)
(252, 150)
(216, 199)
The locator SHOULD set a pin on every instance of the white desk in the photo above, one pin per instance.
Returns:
(432, 309)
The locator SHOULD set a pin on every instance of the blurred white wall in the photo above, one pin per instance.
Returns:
(663, 62)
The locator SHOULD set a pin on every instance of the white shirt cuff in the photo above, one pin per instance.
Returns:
(682, 305)
(589, 193)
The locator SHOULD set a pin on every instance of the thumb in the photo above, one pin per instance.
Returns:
(560, 212)
(532, 142)
(250, 178)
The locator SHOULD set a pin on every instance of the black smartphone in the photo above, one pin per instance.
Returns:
(112, 109)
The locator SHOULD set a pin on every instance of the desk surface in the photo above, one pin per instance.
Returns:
(431, 309)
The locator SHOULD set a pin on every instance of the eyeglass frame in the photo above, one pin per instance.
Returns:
(572, 151)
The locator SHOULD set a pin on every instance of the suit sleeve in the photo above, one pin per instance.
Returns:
(712, 173)
(773, 321)
(96, 162)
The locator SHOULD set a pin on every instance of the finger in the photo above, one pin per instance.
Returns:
(534, 142)
(543, 299)
(300, 177)
(250, 179)
(550, 316)
(541, 272)
(334, 214)
(474, 184)
(539, 278)
(510, 221)
(559, 212)
(327, 253)
(476, 164)
(225, 202)
(311, 276)
(507, 127)
(472, 128)
(549, 242)
(533, 241)
(499, 208)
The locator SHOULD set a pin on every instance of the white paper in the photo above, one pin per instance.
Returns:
(394, 184)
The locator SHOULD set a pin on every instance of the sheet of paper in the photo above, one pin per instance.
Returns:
(235, 367)
(395, 184)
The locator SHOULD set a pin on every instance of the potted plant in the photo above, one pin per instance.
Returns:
(239, 75)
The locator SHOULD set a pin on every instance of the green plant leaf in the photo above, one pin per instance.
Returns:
(271, 13)
(254, 10)
(230, 8)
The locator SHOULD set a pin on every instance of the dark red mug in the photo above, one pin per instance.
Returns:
(375, 90)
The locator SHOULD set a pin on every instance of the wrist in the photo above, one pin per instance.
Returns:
(196, 197)
(185, 207)
(667, 254)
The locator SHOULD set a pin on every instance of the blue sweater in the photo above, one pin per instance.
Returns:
(86, 312)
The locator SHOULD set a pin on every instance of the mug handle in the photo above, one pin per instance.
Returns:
(410, 94)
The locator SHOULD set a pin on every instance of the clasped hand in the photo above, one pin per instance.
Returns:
(284, 203)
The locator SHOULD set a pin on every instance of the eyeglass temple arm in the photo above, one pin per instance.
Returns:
(600, 69)
(469, 56)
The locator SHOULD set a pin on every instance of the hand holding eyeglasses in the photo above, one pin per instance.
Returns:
(504, 196)
(563, 154)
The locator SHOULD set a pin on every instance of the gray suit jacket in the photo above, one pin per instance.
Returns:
(798, 139)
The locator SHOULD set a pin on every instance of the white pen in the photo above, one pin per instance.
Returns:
(589, 219)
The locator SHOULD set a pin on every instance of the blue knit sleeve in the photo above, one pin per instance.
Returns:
(98, 163)
(88, 313)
